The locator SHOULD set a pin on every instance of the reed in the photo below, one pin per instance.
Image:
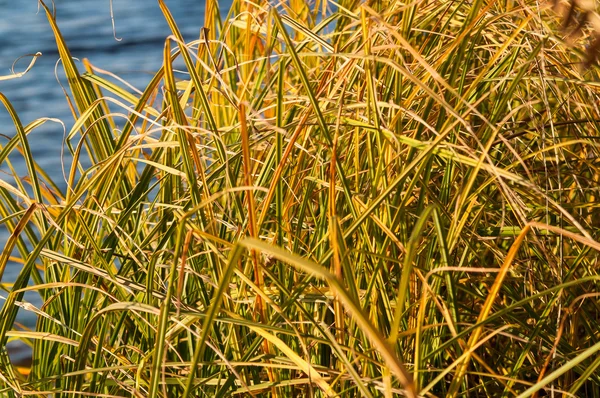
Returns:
(332, 199)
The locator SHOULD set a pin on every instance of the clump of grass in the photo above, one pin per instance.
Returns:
(332, 199)
(580, 19)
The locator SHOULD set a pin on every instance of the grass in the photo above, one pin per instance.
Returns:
(332, 199)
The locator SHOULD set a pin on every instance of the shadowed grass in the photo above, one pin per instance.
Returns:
(331, 199)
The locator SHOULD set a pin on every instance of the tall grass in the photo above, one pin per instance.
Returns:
(332, 199)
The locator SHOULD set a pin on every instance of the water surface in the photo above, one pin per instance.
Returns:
(87, 28)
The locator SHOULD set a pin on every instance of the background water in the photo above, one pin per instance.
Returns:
(87, 28)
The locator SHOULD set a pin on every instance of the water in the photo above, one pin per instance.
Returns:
(87, 28)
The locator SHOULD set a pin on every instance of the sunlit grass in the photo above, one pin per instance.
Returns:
(332, 199)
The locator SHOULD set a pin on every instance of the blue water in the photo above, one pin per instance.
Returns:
(87, 28)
